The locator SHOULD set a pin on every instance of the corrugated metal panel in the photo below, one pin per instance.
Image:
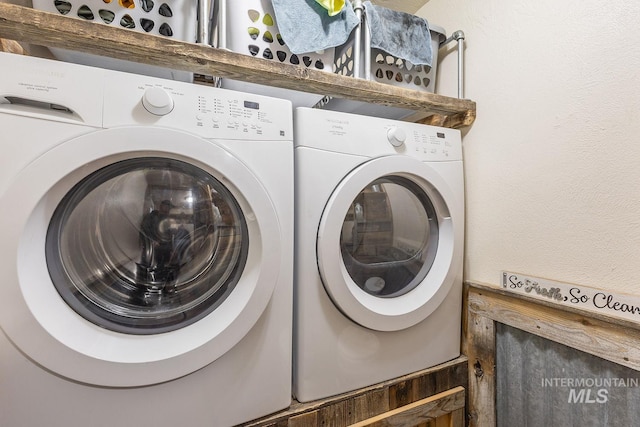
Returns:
(543, 383)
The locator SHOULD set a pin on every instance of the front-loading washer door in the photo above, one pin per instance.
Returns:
(389, 243)
(146, 245)
(134, 256)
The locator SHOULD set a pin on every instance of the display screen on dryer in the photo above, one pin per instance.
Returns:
(146, 245)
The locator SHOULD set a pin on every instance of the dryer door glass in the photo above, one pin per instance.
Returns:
(389, 237)
(146, 245)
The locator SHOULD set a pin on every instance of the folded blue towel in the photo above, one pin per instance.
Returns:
(306, 27)
(399, 34)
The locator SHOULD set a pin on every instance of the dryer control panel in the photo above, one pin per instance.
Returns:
(372, 137)
(209, 112)
(429, 144)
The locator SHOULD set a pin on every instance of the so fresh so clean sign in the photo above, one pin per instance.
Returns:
(583, 297)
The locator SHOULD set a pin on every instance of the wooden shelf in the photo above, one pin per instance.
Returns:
(36, 27)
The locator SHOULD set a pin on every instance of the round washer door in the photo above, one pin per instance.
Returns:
(389, 243)
(134, 256)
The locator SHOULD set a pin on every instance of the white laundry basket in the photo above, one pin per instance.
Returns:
(252, 30)
(386, 68)
(249, 27)
(174, 19)
(377, 65)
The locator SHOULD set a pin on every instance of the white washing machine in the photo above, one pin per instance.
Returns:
(146, 249)
(379, 249)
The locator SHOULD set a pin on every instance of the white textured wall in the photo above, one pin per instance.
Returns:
(553, 159)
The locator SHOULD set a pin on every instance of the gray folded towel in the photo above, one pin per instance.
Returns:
(399, 34)
(306, 27)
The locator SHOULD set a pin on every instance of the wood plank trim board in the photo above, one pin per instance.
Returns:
(611, 338)
(479, 343)
(357, 405)
(425, 409)
(47, 29)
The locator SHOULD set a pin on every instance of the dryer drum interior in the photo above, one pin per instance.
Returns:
(146, 245)
(389, 237)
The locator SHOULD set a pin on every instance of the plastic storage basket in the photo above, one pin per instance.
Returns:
(380, 66)
(249, 27)
(175, 19)
(388, 69)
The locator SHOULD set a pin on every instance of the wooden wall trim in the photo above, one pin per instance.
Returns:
(364, 403)
(427, 409)
(610, 338)
(479, 343)
(613, 339)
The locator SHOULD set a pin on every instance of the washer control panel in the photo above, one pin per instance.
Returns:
(203, 110)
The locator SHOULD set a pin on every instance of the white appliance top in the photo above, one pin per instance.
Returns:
(97, 97)
(373, 137)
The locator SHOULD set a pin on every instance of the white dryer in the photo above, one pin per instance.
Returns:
(146, 249)
(379, 249)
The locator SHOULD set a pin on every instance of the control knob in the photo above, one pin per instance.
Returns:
(396, 136)
(157, 101)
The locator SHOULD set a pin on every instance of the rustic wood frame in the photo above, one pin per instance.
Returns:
(610, 338)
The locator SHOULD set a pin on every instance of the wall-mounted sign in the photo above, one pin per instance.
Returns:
(583, 297)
